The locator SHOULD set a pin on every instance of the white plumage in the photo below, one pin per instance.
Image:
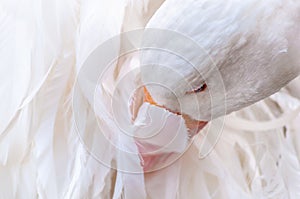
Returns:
(43, 46)
(244, 40)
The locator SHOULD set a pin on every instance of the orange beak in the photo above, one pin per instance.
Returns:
(148, 98)
(194, 126)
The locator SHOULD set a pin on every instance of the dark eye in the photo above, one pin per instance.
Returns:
(198, 90)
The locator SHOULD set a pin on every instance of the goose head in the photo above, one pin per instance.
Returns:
(219, 77)
(207, 68)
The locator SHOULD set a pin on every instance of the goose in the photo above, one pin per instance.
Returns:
(206, 59)
(42, 155)
(204, 70)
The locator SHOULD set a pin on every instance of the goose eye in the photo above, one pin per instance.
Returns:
(198, 90)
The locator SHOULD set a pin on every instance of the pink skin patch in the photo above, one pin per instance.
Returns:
(155, 160)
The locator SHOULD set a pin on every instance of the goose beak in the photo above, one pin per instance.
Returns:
(193, 126)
